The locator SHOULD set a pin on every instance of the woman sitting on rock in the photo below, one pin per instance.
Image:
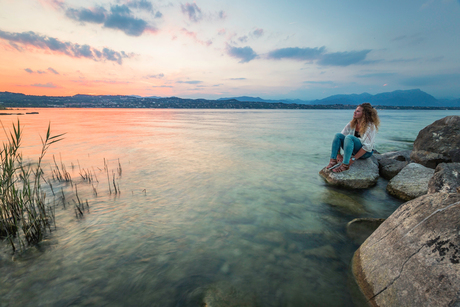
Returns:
(356, 139)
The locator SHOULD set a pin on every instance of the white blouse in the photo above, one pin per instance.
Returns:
(367, 140)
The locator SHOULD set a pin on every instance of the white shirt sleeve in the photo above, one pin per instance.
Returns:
(347, 130)
(367, 140)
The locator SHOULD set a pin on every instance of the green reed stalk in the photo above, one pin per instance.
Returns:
(24, 217)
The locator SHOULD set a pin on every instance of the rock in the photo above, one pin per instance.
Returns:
(361, 175)
(323, 252)
(388, 168)
(361, 228)
(341, 200)
(446, 178)
(428, 159)
(413, 258)
(411, 182)
(226, 295)
(438, 142)
(403, 155)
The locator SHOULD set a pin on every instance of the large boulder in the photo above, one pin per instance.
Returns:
(438, 143)
(411, 182)
(446, 178)
(413, 258)
(361, 175)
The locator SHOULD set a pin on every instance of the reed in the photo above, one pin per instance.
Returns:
(24, 214)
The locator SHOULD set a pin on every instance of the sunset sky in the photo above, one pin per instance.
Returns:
(288, 49)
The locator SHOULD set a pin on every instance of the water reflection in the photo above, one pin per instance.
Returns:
(222, 207)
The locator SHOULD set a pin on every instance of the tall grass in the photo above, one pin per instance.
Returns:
(24, 215)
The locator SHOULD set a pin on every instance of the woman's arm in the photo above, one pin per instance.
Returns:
(368, 139)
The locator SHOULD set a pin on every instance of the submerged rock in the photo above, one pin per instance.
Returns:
(438, 142)
(411, 182)
(361, 228)
(361, 175)
(413, 258)
(446, 178)
(341, 200)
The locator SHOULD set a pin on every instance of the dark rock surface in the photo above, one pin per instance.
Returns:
(438, 142)
(411, 182)
(388, 168)
(446, 178)
(413, 258)
(361, 228)
(362, 174)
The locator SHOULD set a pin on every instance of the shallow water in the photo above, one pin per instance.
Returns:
(223, 207)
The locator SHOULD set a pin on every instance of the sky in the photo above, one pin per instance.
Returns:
(306, 50)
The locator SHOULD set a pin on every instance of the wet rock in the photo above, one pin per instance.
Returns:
(411, 182)
(341, 200)
(413, 258)
(388, 168)
(323, 252)
(429, 159)
(438, 142)
(361, 175)
(226, 295)
(403, 155)
(446, 178)
(361, 228)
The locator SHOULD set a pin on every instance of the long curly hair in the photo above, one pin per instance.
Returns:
(370, 116)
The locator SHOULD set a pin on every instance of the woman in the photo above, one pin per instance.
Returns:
(356, 139)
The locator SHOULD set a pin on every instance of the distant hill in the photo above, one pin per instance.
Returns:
(407, 98)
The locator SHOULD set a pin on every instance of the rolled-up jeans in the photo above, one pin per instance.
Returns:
(350, 144)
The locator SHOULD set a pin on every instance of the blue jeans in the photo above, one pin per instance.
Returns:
(350, 144)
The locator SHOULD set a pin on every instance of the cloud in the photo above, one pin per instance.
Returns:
(44, 42)
(141, 5)
(223, 15)
(119, 18)
(190, 82)
(41, 72)
(53, 71)
(343, 58)
(47, 85)
(246, 54)
(158, 76)
(94, 15)
(192, 11)
(194, 36)
(237, 79)
(167, 86)
(299, 54)
(319, 82)
(258, 32)
(441, 79)
(243, 39)
(224, 31)
(377, 75)
(30, 71)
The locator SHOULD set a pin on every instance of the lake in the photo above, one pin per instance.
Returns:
(216, 207)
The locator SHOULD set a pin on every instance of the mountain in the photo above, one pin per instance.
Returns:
(396, 99)
(406, 98)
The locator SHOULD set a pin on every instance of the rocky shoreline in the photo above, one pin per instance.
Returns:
(413, 257)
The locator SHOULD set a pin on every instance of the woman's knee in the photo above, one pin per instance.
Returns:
(339, 136)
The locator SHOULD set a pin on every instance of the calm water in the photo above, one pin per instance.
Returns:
(223, 207)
